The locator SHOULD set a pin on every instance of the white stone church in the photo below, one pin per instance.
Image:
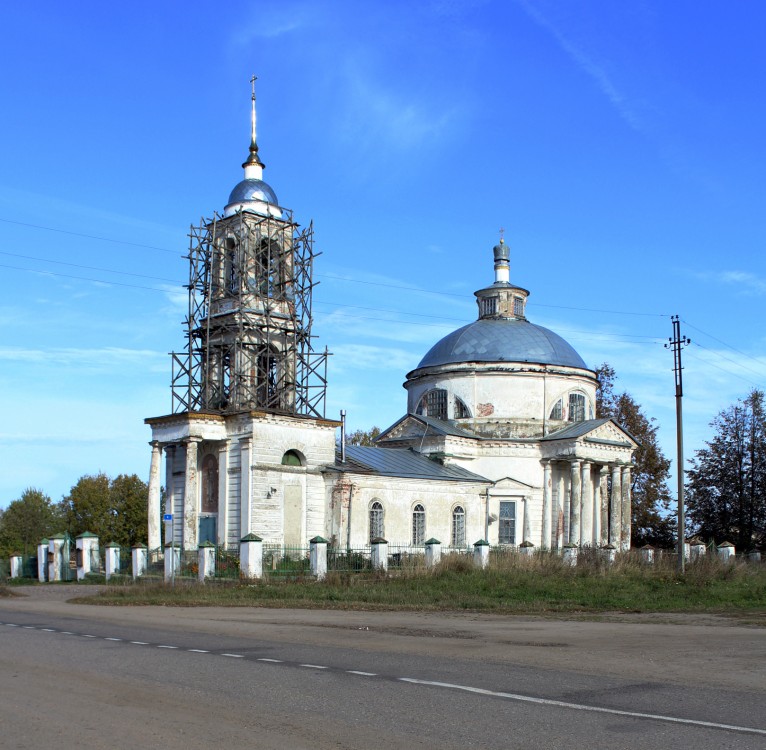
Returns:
(498, 442)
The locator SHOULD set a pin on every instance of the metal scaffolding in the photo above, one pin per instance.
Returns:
(248, 326)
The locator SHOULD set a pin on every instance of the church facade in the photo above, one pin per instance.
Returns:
(498, 441)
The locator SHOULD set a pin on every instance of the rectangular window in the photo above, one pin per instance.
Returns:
(507, 530)
(518, 307)
(488, 306)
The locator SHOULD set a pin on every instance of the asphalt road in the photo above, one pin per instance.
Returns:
(74, 676)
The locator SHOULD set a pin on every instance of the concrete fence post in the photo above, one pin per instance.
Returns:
(42, 560)
(647, 554)
(206, 561)
(527, 549)
(172, 560)
(318, 557)
(55, 556)
(87, 555)
(609, 553)
(481, 553)
(696, 549)
(754, 556)
(111, 559)
(379, 554)
(726, 552)
(139, 556)
(433, 552)
(251, 557)
(569, 554)
(687, 551)
(16, 561)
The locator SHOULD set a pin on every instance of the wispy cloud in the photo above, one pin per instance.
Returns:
(271, 22)
(747, 282)
(589, 65)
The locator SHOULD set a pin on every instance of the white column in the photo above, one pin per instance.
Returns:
(223, 493)
(56, 557)
(566, 501)
(87, 555)
(545, 542)
(625, 528)
(586, 516)
(597, 509)
(245, 485)
(559, 522)
(526, 525)
(576, 503)
(153, 509)
(170, 489)
(191, 497)
(604, 511)
(615, 508)
(16, 566)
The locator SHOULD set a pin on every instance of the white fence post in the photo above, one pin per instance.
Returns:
(206, 561)
(379, 554)
(139, 555)
(42, 561)
(318, 557)
(111, 559)
(726, 552)
(696, 549)
(56, 560)
(433, 552)
(251, 556)
(16, 561)
(647, 554)
(481, 553)
(527, 549)
(609, 552)
(172, 560)
(569, 554)
(87, 555)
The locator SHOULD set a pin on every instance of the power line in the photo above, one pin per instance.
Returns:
(90, 268)
(722, 369)
(89, 236)
(83, 278)
(720, 341)
(718, 354)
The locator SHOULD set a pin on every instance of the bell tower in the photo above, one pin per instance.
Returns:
(248, 328)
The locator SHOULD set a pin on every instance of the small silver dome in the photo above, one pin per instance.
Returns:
(503, 340)
(253, 190)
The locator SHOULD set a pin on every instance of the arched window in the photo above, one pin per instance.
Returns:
(461, 410)
(209, 502)
(557, 411)
(231, 267)
(458, 527)
(292, 458)
(433, 404)
(576, 407)
(377, 528)
(418, 525)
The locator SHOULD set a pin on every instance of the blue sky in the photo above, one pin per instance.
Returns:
(619, 144)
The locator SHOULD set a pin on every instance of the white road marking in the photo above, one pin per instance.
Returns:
(583, 707)
(312, 666)
(198, 651)
(140, 643)
(234, 656)
(273, 661)
(112, 639)
(65, 632)
(89, 636)
(11, 624)
(167, 646)
(364, 674)
(48, 630)
(28, 627)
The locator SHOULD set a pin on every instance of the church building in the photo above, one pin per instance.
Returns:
(498, 443)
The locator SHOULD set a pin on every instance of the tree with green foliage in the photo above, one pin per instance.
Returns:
(115, 510)
(28, 520)
(363, 437)
(726, 484)
(651, 522)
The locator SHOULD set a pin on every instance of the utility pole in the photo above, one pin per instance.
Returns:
(676, 344)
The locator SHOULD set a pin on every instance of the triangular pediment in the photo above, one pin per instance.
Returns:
(509, 483)
(605, 431)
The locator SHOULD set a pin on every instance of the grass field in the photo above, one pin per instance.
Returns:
(538, 585)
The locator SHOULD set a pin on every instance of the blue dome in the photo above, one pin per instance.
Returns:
(253, 190)
(504, 340)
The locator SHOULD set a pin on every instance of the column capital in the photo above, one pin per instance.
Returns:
(245, 439)
(192, 439)
(604, 469)
(156, 444)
